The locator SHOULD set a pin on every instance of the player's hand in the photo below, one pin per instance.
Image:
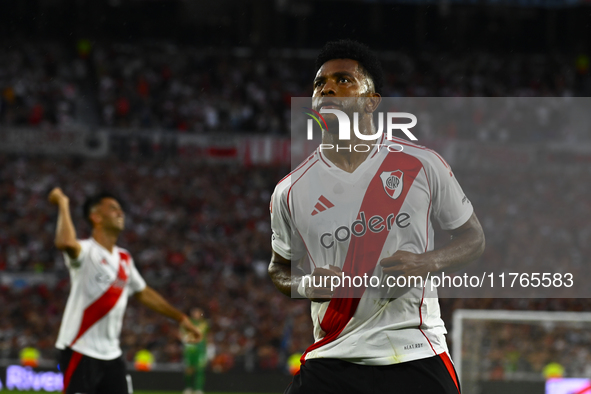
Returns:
(403, 263)
(57, 196)
(194, 334)
(323, 293)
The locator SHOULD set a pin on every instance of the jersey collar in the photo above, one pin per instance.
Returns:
(359, 171)
(115, 248)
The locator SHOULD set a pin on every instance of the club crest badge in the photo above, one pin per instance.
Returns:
(393, 184)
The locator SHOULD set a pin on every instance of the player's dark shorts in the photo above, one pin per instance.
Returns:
(83, 374)
(433, 375)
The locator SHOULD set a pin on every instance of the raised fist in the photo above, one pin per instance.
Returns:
(57, 196)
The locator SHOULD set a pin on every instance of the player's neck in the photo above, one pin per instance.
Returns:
(347, 155)
(104, 238)
(346, 161)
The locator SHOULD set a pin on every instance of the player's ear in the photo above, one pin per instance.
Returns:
(95, 217)
(372, 102)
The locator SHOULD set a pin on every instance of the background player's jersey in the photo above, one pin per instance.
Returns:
(195, 354)
(353, 220)
(100, 284)
(203, 326)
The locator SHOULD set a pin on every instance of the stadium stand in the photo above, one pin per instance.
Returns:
(200, 235)
(170, 87)
(39, 83)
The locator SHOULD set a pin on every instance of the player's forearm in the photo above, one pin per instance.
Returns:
(65, 234)
(284, 280)
(465, 247)
(150, 298)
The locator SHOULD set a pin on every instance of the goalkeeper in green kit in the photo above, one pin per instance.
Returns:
(195, 355)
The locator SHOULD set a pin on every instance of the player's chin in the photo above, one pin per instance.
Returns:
(331, 120)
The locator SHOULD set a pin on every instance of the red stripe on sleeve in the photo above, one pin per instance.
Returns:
(293, 184)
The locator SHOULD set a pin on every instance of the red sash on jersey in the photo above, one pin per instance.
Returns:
(364, 252)
(103, 305)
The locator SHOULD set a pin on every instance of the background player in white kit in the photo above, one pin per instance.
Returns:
(364, 344)
(102, 277)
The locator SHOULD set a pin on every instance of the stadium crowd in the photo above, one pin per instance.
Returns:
(170, 87)
(514, 350)
(162, 86)
(39, 84)
(201, 236)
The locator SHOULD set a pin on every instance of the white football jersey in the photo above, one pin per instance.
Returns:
(101, 282)
(354, 220)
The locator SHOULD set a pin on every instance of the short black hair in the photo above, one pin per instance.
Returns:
(93, 201)
(349, 49)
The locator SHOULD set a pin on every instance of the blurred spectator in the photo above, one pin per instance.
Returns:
(495, 350)
(201, 237)
(37, 85)
(162, 86)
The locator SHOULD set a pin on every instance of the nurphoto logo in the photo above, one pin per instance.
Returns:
(345, 124)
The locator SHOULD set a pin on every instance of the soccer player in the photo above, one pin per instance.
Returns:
(195, 355)
(103, 276)
(369, 213)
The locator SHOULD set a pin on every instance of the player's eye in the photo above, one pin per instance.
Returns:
(343, 80)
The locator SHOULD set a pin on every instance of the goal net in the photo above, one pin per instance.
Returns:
(519, 346)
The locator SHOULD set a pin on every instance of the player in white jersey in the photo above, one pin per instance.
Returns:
(102, 277)
(369, 213)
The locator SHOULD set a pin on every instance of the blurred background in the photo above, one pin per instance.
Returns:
(182, 108)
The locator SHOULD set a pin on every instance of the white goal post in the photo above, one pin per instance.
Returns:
(460, 316)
